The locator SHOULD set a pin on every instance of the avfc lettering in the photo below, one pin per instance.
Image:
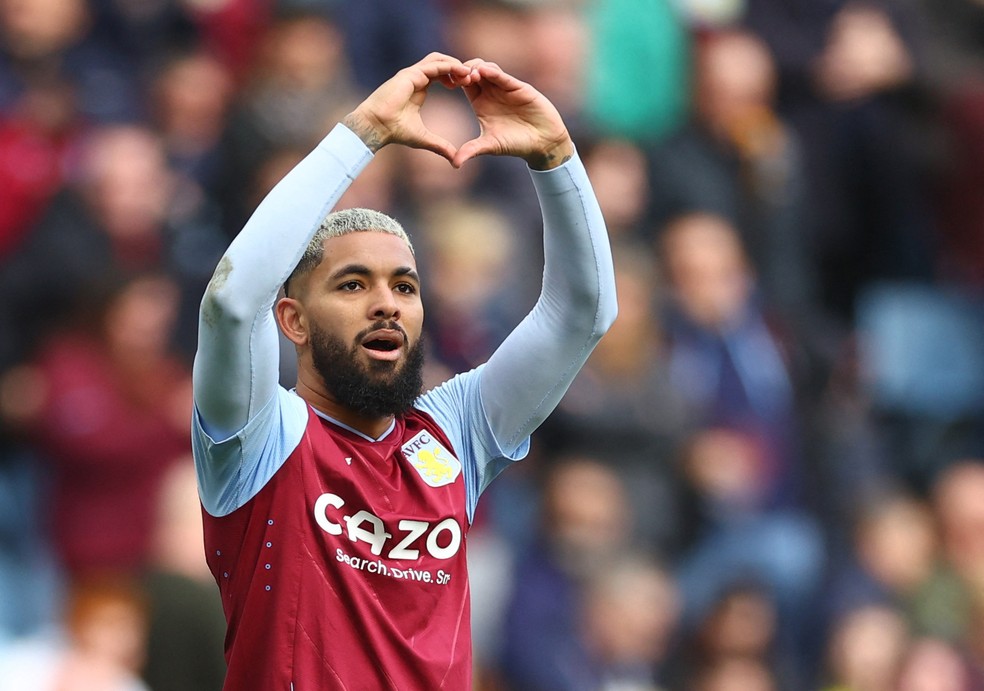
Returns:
(441, 540)
(436, 465)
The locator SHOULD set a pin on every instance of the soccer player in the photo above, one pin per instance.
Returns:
(336, 514)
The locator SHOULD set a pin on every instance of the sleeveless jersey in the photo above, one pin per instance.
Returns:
(347, 570)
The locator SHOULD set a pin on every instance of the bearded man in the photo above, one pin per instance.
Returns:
(336, 513)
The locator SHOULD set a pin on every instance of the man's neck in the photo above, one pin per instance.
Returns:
(371, 427)
(339, 423)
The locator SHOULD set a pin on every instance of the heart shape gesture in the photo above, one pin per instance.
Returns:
(514, 118)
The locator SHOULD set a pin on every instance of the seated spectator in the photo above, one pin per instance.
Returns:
(729, 357)
(631, 609)
(190, 97)
(938, 664)
(865, 649)
(739, 538)
(950, 607)
(40, 38)
(636, 42)
(736, 157)
(584, 524)
(741, 623)
(623, 408)
(894, 555)
(477, 295)
(106, 405)
(850, 84)
(299, 81)
(186, 627)
(560, 44)
(102, 644)
(619, 171)
(38, 137)
(121, 214)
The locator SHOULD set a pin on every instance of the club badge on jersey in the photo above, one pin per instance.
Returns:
(436, 465)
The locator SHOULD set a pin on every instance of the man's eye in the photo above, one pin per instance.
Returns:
(350, 285)
(407, 288)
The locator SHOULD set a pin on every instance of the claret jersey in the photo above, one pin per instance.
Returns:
(348, 531)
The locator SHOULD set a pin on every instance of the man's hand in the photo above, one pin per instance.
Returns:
(515, 120)
(391, 113)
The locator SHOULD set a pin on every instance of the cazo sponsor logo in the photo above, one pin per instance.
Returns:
(441, 540)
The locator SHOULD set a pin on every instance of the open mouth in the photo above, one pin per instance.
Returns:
(384, 344)
(381, 345)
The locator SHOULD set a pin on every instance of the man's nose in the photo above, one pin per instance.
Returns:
(385, 305)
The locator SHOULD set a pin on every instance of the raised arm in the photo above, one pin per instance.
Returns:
(236, 370)
(529, 373)
(237, 364)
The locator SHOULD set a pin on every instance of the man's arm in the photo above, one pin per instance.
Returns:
(528, 374)
(490, 413)
(237, 363)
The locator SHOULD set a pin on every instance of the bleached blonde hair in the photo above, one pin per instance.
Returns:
(343, 222)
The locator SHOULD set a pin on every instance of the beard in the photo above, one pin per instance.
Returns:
(376, 389)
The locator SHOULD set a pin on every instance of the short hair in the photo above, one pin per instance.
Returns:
(339, 223)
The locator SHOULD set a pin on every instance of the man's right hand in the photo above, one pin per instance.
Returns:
(391, 113)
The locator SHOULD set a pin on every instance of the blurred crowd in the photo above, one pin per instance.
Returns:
(768, 477)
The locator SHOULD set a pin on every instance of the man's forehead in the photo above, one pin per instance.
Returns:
(372, 248)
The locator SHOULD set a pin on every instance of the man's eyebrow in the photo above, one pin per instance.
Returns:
(407, 271)
(349, 269)
(363, 270)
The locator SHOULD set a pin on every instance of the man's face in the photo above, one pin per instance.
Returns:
(363, 305)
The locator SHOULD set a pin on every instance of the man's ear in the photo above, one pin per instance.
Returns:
(292, 320)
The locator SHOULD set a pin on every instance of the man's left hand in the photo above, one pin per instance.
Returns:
(515, 120)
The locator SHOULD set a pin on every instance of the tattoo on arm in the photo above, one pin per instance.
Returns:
(547, 161)
(361, 128)
(556, 153)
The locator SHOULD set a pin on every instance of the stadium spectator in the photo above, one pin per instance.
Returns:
(190, 96)
(623, 185)
(299, 81)
(633, 43)
(106, 405)
(100, 645)
(893, 558)
(185, 627)
(741, 623)
(734, 362)
(737, 157)
(865, 648)
(631, 610)
(939, 664)
(624, 410)
(584, 523)
(950, 606)
(850, 81)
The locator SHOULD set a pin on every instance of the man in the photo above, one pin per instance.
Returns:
(335, 514)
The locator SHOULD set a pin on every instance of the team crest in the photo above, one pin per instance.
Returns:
(435, 464)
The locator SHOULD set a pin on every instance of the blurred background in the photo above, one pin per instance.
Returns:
(768, 477)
